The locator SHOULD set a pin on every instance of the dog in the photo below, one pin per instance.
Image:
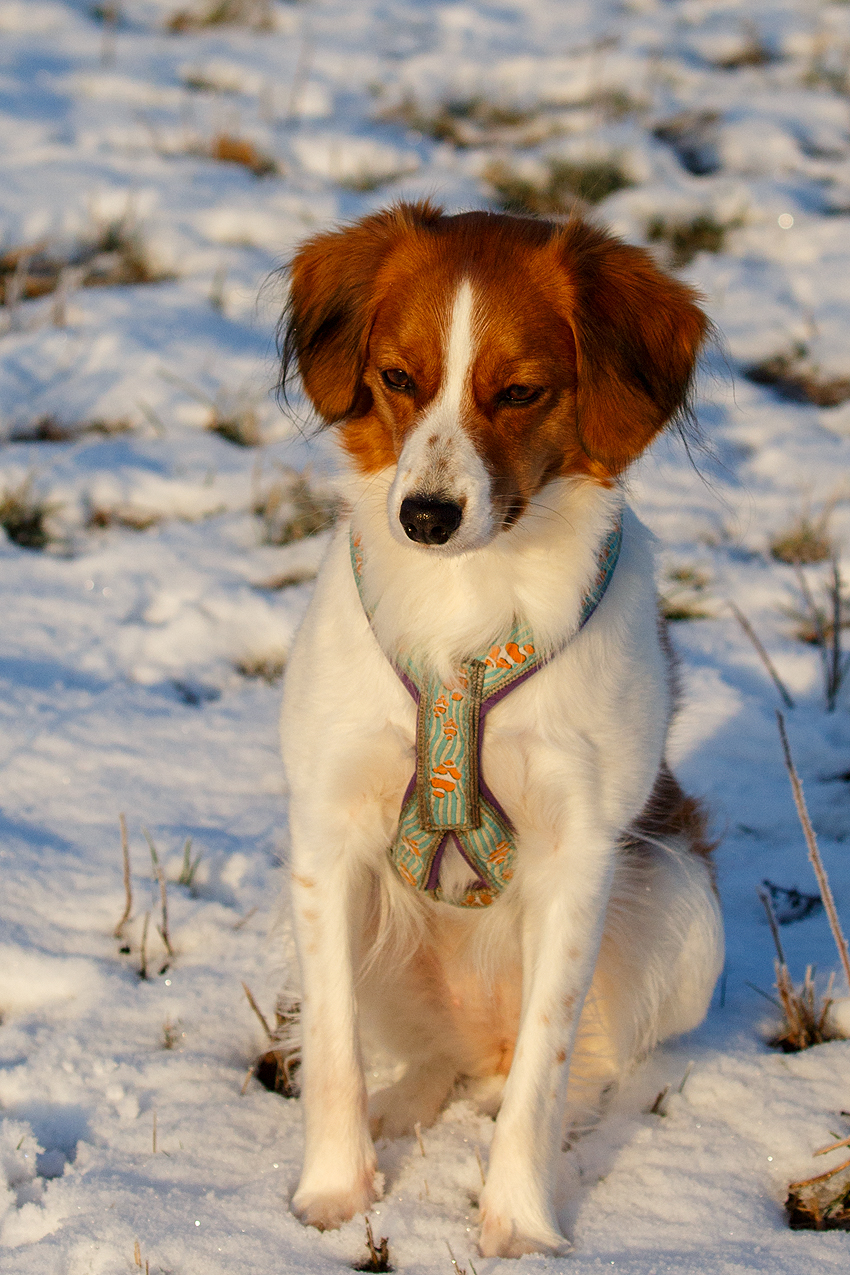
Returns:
(495, 876)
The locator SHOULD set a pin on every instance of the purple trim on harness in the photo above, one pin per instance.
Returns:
(487, 704)
(437, 861)
(408, 684)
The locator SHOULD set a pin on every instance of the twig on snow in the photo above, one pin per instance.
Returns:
(762, 654)
(246, 989)
(143, 967)
(163, 896)
(814, 852)
(128, 885)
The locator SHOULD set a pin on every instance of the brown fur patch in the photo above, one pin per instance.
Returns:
(670, 812)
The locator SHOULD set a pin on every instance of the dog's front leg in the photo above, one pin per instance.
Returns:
(564, 900)
(338, 1177)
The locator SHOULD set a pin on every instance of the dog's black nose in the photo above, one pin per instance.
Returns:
(429, 522)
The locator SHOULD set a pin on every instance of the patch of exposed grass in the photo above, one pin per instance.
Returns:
(470, 121)
(266, 668)
(236, 420)
(823, 626)
(685, 238)
(24, 513)
(685, 599)
(227, 148)
(806, 1013)
(256, 14)
(170, 1034)
(126, 516)
(364, 182)
(117, 256)
(753, 51)
(189, 866)
(377, 1255)
(287, 580)
(109, 14)
(804, 542)
(692, 135)
(821, 1203)
(291, 507)
(615, 104)
(566, 182)
(816, 627)
(49, 429)
(794, 377)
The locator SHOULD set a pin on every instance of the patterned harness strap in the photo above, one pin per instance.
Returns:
(447, 800)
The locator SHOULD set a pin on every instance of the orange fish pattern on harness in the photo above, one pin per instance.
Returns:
(447, 800)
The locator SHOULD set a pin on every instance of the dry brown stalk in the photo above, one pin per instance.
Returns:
(128, 886)
(163, 897)
(246, 989)
(657, 1108)
(762, 654)
(814, 852)
(836, 667)
(379, 1256)
(833, 1146)
(821, 1177)
(806, 1016)
(459, 1270)
(827, 632)
(246, 918)
(143, 967)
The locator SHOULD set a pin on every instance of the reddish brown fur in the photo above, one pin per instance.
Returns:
(589, 319)
(669, 812)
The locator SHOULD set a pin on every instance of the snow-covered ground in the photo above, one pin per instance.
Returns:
(122, 1112)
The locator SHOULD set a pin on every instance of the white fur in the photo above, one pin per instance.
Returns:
(590, 955)
(438, 458)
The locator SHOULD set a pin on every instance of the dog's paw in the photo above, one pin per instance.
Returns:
(503, 1236)
(415, 1100)
(327, 1208)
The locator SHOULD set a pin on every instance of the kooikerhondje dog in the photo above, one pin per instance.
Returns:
(494, 873)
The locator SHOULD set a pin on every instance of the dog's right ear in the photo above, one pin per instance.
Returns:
(333, 297)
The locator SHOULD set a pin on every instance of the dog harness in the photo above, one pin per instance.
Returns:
(447, 799)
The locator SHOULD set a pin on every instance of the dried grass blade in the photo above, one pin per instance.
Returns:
(762, 654)
(814, 852)
(128, 885)
(246, 989)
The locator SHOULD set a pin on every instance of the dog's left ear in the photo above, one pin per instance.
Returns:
(325, 328)
(637, 334)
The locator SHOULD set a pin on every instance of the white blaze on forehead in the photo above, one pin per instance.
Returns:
(439, 458)
(459, 350)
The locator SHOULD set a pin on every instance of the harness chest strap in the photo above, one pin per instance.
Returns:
(447, 800)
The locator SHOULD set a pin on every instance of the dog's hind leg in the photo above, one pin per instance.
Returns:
(662, 949)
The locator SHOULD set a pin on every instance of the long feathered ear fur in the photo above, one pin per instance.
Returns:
(637, 334)
(333, 296)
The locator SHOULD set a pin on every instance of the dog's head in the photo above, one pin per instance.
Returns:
(483, 355)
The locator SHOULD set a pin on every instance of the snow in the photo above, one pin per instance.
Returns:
(122, 1115)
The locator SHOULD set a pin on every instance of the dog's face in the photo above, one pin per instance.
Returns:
(482, 356)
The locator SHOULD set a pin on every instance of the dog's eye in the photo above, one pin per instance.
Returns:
(519, 395)
(396, 379)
